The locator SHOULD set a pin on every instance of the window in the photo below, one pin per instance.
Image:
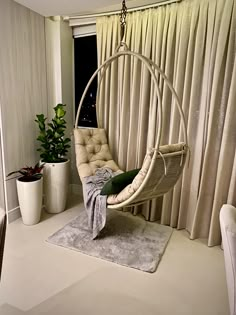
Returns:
(85, 52)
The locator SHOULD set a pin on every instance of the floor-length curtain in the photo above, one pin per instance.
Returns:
(194, 42)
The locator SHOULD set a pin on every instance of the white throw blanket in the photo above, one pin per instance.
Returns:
(96, 204)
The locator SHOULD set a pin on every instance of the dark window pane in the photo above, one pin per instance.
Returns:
(85, 52)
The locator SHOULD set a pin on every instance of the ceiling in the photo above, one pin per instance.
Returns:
(71, 7)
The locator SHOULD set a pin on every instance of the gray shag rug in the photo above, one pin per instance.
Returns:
(126, 240)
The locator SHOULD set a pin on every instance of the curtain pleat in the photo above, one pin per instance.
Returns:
(194, 43)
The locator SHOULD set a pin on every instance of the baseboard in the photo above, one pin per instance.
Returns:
(14, 214)
(76, 189)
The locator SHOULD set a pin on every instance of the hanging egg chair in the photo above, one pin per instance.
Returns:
(162, 165)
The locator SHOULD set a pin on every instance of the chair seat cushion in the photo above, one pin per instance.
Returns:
(119, 182)
(131, 188)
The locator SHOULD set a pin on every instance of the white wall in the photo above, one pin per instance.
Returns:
(23, 87)
(59, 53)
(53, 61)
(59, 47)
(36, 71)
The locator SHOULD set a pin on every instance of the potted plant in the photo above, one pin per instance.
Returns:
(30, 193)
(53, 149)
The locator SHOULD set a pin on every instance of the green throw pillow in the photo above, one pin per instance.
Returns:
(118, 182)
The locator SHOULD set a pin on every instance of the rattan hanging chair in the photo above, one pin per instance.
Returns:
(162, 166)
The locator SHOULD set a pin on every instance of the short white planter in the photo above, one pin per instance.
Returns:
(56, 185)
(30, 196)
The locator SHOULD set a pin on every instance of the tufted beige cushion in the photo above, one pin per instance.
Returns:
(92, 151)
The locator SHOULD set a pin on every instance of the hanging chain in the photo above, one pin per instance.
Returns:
(123, 20)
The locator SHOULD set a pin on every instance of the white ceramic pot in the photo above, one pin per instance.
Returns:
(30, 195)
(56, 185)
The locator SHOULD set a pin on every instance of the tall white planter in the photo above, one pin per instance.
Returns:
(30, 195)
(56, 186)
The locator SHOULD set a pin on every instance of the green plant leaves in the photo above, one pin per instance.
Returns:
(53, 144)
(41, 121)
(60, 112)
(30, 173)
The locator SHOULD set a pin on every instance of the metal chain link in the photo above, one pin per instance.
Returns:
(123, 20)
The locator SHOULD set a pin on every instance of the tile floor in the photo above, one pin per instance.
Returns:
(41, 278)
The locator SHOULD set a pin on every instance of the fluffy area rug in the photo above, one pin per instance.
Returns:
(126, 240)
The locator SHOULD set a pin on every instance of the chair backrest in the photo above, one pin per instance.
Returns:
(92, 151)
(228, 231)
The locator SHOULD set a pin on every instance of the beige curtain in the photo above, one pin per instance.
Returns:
(194, 42)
